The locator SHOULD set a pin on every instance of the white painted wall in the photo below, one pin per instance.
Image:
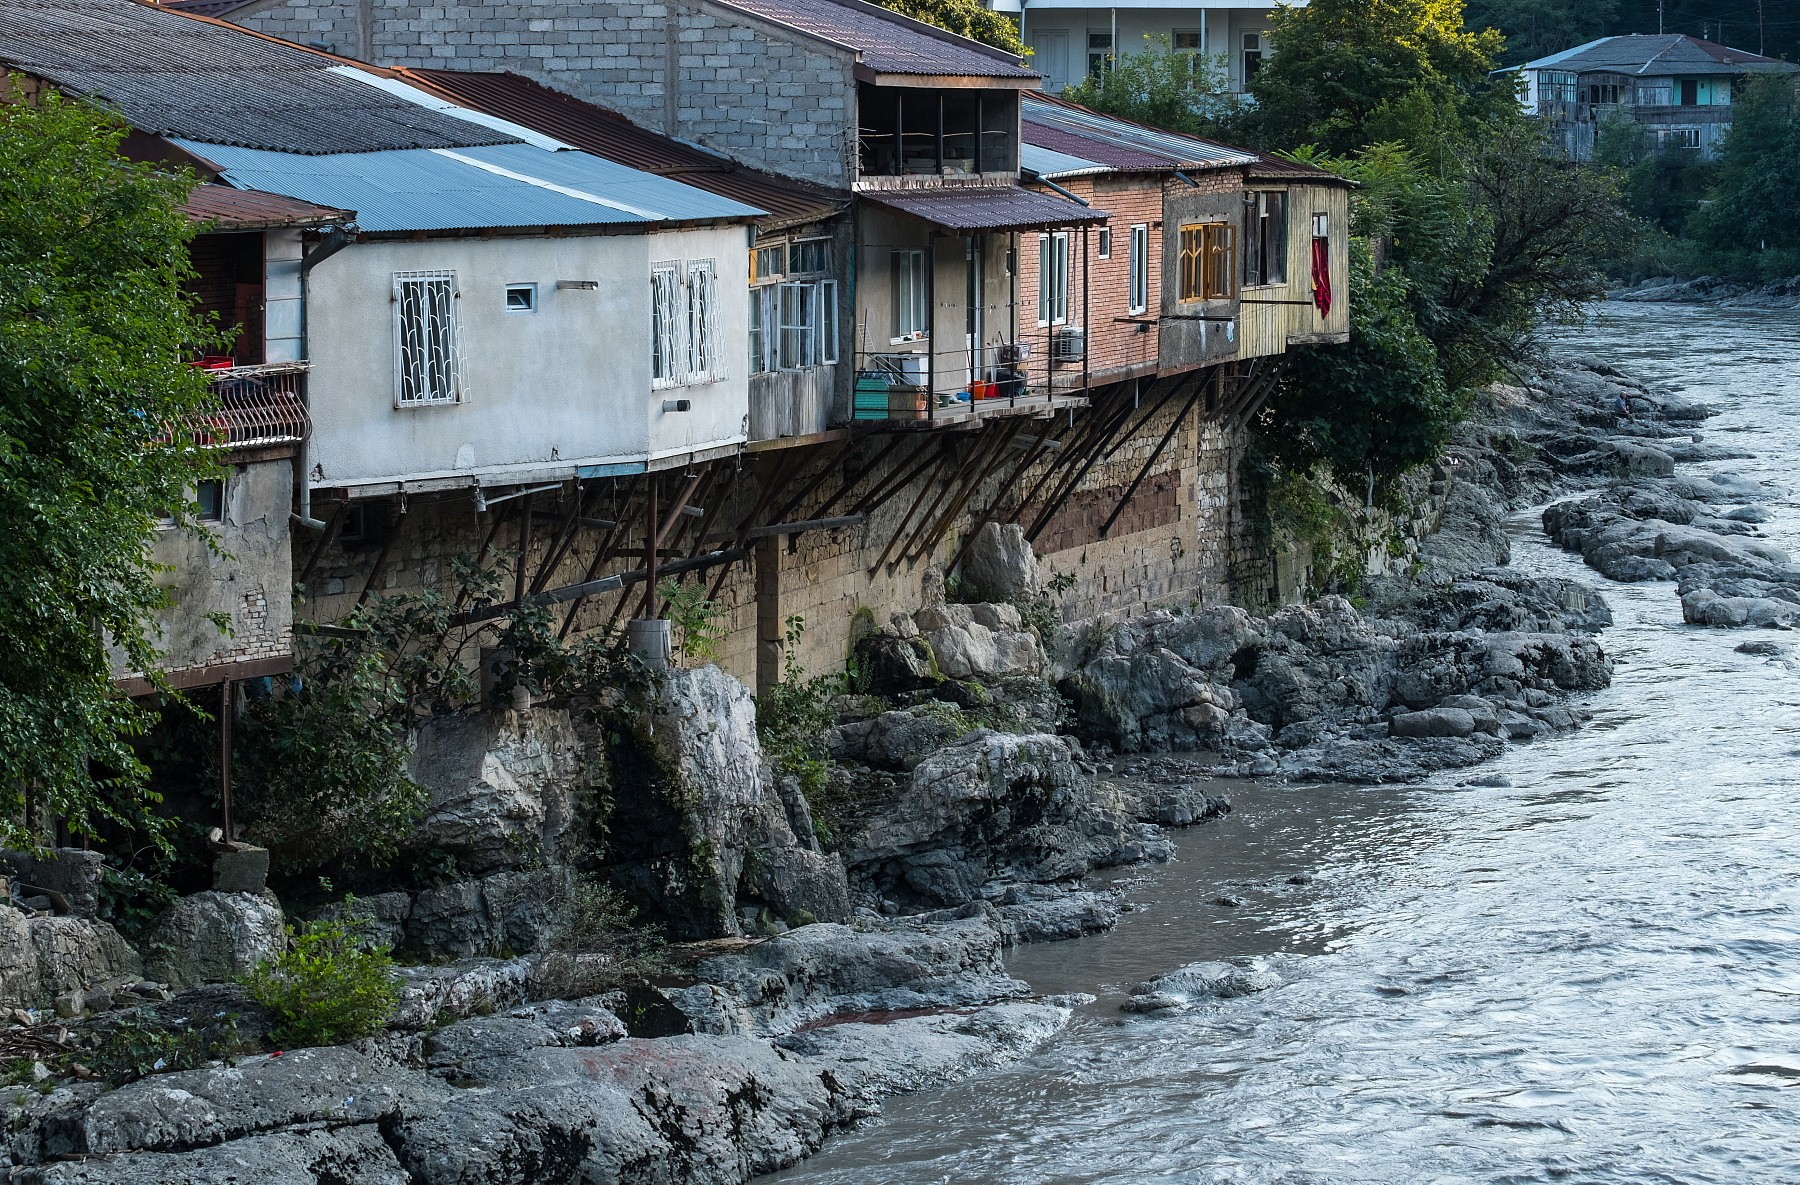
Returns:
(1050, 28)
(545, 393)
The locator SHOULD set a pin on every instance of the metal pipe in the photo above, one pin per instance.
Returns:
(1043, 180)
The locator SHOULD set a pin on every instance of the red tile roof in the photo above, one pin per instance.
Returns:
(615, 138)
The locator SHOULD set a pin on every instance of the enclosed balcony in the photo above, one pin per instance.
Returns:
(920, 132)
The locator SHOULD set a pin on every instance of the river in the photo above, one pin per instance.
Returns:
(1589, 975)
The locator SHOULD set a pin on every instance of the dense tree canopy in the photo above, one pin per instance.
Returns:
(966, 17)
(94, 336)
(1534, 28)
(1348, 73)
(1758, 173)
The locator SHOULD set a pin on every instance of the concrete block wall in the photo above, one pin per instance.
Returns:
(705, 72)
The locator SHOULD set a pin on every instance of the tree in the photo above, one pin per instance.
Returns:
(1535, 28)
(1183, 92)
(964, 17)
(95, 334)
(1758, 172)
(1348, 73)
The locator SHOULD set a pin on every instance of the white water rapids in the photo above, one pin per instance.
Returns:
(1590, 975)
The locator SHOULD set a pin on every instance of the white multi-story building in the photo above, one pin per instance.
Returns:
(1071, 38)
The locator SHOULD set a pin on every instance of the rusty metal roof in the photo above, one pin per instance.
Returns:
(606, 134)
(225, 208)
(175, 75)
(887, 42)
(964, 208)
(1109, 142)
(1657, 55)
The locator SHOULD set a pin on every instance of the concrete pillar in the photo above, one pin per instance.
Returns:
(771, 620)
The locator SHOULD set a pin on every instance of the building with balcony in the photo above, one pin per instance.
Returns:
(1071, 39)
(1679, 89)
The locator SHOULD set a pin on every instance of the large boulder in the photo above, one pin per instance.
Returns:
(72, 874)
(986, 642)
(988, 807)
(501, 785)
(45, 958)
(214, 937)
(1000, 565)
(700, 823)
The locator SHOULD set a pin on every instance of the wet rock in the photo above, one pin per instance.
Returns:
(1434, 722)
(1040, 913)
(501, 785)
(1197, 983)
(214, 937)
(1762, 649)
(1000, 566)
(909, 1053)
(312, 1157)
(992, 806)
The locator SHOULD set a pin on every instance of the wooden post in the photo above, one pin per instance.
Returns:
(524, 560)
(652, 528)
(226, 705)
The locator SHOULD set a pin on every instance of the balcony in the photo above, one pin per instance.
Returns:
(258, 407)
(932, 387)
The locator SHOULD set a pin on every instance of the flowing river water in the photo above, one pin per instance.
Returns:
(1589, 975)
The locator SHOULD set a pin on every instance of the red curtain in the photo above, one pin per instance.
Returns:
(1321, 275)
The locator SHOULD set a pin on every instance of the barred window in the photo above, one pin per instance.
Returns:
(668, 326)
(704, 364)
(427, 361)
(1208, 261)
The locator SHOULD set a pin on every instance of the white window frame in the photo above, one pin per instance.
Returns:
(1053, 278)
(705, 361)
(912, 318)
(668, 326)
(531, 298)
(427, 381)
(1103, 243)
(764, 314)
(1137, 277)
(825, 293)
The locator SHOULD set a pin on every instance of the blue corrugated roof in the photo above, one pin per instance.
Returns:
(1047, 162)
(500, 185)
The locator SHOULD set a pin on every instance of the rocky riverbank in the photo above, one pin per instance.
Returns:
(849, 935)
(1713, 290)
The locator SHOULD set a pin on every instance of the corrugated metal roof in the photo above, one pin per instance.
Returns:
(501, 185)
(986, 207)
(1118, 143)
(248, 209)
(603, 133)
(1047, 162)
(887, 42)
(1657, 55)
(173, 75)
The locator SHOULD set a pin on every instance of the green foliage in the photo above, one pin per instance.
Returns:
(695, 618)
(1183, 92)
(1758, 173)
(594, 918)
(95, 335)
(1368, 410)
(1353, 72)
(328, 986)
(126, 1052)
(967, 18)
(792, 716)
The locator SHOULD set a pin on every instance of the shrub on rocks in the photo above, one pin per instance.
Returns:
(326, 988)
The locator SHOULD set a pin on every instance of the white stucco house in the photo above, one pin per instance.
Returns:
(1072, 38)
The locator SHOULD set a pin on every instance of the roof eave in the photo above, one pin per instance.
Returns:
(951, 81)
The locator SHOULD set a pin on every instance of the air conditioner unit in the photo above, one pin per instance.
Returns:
(1069, 345)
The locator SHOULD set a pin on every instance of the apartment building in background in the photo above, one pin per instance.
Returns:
(1071, 39)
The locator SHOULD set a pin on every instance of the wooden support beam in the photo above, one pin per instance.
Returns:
(1031, 454)
(387, 546)
(462, 598)
(565, 536)
(799, 526)
(941, 460)
(605, 551)
(1155, 454)
(851, 482)
(619, 580)
(652, 541)
(902, 476)
(523, 563)
(785, 467)
(986, 460)
(807, 489)
(326, 539)
(1069, 484)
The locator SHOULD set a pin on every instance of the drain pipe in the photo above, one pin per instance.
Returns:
(333, 240)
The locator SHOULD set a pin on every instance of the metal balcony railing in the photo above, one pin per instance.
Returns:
(257, 406)
(953, 382)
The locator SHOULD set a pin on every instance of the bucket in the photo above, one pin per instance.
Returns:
(650, 640)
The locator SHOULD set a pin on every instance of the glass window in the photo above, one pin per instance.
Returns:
(426, 367)
(808, 255)
(1099, 52)
(521, 298)
(1139, 276)
(825, 291)
(1185, 41)
(762, 312)
(1265, 243)
(210, 495)
(1053, 278)
(768, 263)
(1104, 242)
(1253, 55)
(1207, 261)
(909, 294)
(703, 323)
(668, 336)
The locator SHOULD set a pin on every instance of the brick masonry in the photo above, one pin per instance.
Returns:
(701, 71)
